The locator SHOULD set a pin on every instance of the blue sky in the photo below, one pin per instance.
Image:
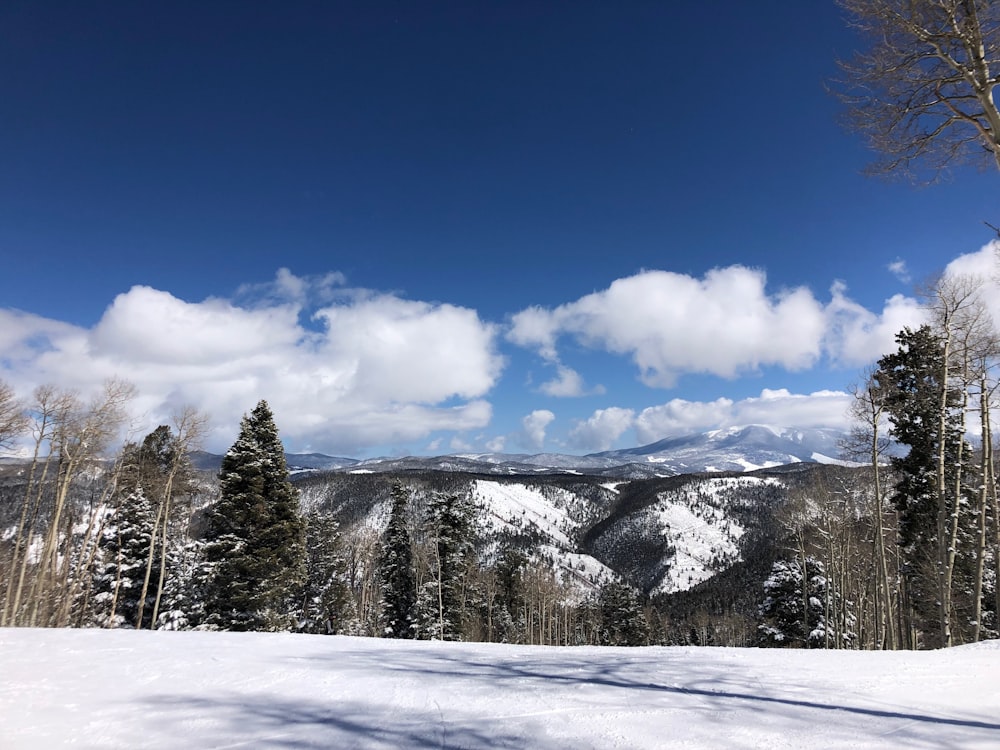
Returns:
(426, 228)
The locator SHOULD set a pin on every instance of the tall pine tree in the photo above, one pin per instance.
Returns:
(441, 602)
(925, 409)
(396, 570)
(328, 607)
(255, 534)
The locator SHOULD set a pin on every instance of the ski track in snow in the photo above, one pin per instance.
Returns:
(124, 689)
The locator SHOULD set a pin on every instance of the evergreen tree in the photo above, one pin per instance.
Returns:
(396, 570)
(441, 602)
(791, 618)
(509, 602)
(622, 620)
(120, 567)
(185, 587)
(926, 416)
(255, 534)
(328, 607)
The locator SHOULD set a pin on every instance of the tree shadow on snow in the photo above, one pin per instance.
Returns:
(260, 721)
(713, 681)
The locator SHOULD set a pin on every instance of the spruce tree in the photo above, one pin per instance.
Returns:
(396, 570)
(185, 587)
(926, 416)
(328, 606)
(623, 622)
(441, 602)
(509, 600)
(120, 566)
(791, 619)
(255, 534)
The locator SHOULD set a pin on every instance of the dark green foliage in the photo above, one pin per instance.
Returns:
(509, 601)
(185, 587)
(441, 602)
(790, 619)
(255, 534)
(327, 603)
(396, 570)
(622, 620)
(910, 381)
(121, 563)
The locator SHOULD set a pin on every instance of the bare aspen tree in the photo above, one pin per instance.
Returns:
(13, 420)
(869, 440)
(82, 583)
(922, 90)
(48, 408)
(81, 434)
(987, 479)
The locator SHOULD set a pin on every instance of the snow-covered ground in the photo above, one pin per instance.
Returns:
(126, 689)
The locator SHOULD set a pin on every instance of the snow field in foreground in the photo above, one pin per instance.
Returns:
(127, 689)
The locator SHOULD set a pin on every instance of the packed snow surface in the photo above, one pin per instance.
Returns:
(128, 689)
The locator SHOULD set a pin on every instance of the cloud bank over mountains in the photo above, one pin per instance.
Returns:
(347, 370)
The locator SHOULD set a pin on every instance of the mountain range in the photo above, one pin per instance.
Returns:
(743, 448)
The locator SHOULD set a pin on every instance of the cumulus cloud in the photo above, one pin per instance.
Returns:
(568, 383)
(602, 429)
(364, 370)
(533, 428)
(776, 407)
(497, 444)
(856, 336)
(982, 268)
(680, 417)
(669, 324)
(724, 324)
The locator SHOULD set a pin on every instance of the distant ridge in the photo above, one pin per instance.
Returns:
(742, 448)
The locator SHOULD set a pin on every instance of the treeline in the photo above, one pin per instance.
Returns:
(144, 541)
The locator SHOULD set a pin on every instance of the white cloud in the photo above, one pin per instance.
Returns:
(568, 383)
(459, 445)
(679, 417)
(370, 370)
(286, 287)
(725, 324)
(670, 324)
(602, 429)
(775, 407)
(533, 428)
(984, 263)
(856, 336)
(497, 444)
(898, 269)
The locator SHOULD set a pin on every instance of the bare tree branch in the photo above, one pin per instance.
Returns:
(922, 92)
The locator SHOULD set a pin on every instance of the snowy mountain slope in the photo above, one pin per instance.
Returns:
(702, 530)
(554, 516)
(212, 462)
(736, 449)
(661, 535)
(670, 535)
(543, 517)
(111, 689)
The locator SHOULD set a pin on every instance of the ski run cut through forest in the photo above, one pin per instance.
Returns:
(140, 689)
